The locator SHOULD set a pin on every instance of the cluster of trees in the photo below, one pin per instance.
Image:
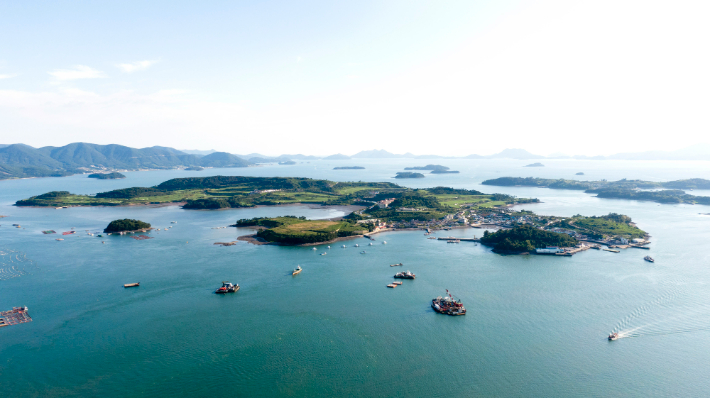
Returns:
(217, 203)
(525, 238)
(452, 191)
(268, 222)
(46, 199)
(407, 174)
(664, 196)
(126, 224)
(129, 193)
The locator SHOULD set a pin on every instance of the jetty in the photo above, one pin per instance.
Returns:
(451, 238)
(14, 317)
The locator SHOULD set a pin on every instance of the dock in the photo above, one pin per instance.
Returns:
(14, 317)
(447, 238)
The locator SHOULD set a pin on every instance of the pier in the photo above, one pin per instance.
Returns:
(460, 239)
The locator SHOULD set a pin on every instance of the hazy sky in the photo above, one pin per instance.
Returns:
(427, 77)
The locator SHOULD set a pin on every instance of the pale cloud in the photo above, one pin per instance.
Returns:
(7, 76)
(136, 66)
(79, 72)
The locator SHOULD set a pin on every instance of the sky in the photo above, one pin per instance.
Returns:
(322, 77)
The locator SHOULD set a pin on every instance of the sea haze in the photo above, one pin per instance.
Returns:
(536, 326)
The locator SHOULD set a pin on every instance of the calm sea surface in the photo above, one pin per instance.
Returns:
(536, 326)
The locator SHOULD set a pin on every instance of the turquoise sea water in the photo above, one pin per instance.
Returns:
(536, 326)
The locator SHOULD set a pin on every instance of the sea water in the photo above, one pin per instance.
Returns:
(535, 326)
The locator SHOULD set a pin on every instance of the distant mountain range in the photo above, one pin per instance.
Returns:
(19, 160)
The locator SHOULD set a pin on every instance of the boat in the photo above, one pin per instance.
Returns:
(227, 288)
(59, 239)
(297, 270)
(397, 283)
(356, 245)
(613, 336)
(649, 259)
(370, 243)
(404, 275)
(343, 246)
(132, 284)
(448, 305)
(453, 241)
(363, 252)
(392, 285)
(328, 247)
(396, 265)
(314, 249)
(323, 254)
(384, 242)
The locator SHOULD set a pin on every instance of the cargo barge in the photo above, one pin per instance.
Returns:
(16, 316)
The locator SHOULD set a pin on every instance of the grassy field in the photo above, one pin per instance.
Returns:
(607, 227)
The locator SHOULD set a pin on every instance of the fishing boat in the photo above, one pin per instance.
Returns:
(314, 249)
(396, 265)
(649, 259)
(448, 305)
(323, 254)
(613, 336)
(297, 270)
(132, 284)
(404, 275)
(227, 288)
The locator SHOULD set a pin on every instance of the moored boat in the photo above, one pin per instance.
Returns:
(404, 275)
(132, 284)
(448, 305)
(396, 265)
(227, 288)
(649, 259)
(297, 270)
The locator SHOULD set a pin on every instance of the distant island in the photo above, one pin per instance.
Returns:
(349, 168)
(287, 163)
(126, 225)
(402, 174)
(579, 174)
(428, 167)
(195, 168)
(622, 189)
(107, 176)
(337, 156)
(538, 164)
(444, 172)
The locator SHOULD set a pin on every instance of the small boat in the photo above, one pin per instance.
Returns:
(392, 285)
(132, 284)
(613, 336)
(314, 249)
(649, 259)
(297, 270)
(227, 288)
(173, 222)
(323, 254)
(328, 247)
(363, 252)
(396, 265)
(370, 243)
(384, 242)
(356, 245)
(59, 239)
(397, 283)
(343, 246)
(404, 275)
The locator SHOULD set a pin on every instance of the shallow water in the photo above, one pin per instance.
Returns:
(536, 326)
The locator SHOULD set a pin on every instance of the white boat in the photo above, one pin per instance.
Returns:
(328, 247)
(343, 246)
(356, 245)
(323, 254)
(384, 242)
(315, 248)
(297, 270)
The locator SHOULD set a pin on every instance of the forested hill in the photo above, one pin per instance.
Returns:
(18, 160)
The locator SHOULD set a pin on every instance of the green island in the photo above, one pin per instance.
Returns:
(666, 192)
(408, 175)
(194, 168)
(382, 206)
(126, 225)
(107, 176)
(525, 238)
(290, 230)
(349, 168)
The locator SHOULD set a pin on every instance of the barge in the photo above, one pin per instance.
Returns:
(15, 316)
(447, 305)
(404, 275)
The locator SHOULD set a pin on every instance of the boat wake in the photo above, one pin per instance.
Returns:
(14, 264)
